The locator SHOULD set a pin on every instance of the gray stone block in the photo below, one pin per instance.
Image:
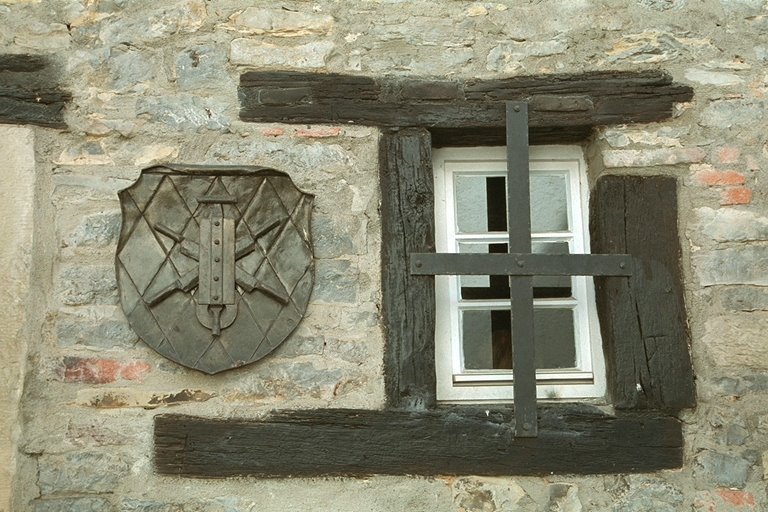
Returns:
(129, 67)
(132, 505)
(72, 505)
(335, 281)
(185, 113)
(744, 298)
(336, 236)
(736, 435)
(727, 113)
(662, 5)
(291, 381)
(297, 345)
(723, 469)
(736, 265)
(79, 285)
(82, 329)
(199, 67)
(653, 495)
(81, 472)
(730, 225)
(254, 52)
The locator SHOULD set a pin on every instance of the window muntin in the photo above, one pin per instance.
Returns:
(473, 340)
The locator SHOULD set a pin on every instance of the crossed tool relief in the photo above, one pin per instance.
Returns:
(217, 271)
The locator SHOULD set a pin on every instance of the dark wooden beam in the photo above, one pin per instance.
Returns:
(29, 91)
(562, 108)
(497, 136)
(643, 319)
(408, 301)
(451, 442)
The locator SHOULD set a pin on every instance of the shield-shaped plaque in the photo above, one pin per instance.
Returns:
(214, 265)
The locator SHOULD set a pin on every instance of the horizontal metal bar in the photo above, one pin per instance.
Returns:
(515, 264)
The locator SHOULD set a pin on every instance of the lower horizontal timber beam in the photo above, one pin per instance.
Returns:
(461, 441)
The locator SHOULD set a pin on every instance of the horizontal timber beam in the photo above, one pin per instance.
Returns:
(562, 108)
(464, 441)
(29, 91)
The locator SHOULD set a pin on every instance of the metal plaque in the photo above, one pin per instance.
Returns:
(214, 264)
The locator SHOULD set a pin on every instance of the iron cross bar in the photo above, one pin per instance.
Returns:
(520, 264)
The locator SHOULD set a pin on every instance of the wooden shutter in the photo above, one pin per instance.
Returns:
(643, 320)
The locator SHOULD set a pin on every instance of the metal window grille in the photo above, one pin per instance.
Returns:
(520, 264)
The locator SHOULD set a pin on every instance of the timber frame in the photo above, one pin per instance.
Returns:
(29, 93)
(643, 321)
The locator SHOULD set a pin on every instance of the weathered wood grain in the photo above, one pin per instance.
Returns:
(450, 442)
(29, 92)
(408, 301)
(643, 319)
(572, 104)
(497, 136)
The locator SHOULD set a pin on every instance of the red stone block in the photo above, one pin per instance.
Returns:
(102, 371)
(135, 370)
(718, 178)
(738, 498)
(727, 155)
(735, 196)
(90, 371)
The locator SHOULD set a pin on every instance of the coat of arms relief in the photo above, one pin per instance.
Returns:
(214, 265)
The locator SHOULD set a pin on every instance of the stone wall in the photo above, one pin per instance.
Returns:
(157, 82)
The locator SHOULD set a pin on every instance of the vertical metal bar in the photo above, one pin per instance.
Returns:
(521, 287)
(206, 241)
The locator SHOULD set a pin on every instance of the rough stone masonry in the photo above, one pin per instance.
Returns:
(155, 82)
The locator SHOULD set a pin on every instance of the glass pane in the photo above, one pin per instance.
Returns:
(548, 287)
(483, 287)
(549, 203)
(486, 339)
(480, 203)
(555, 339)
(487, 344)
(497, 287)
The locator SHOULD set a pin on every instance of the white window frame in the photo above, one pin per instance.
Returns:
(587, 380)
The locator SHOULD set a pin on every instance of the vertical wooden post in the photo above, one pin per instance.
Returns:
(408, 307)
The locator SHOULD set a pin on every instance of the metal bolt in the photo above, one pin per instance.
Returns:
(217, 259)
(215, 278)
(622, 265)
(216, 242)
(526, 426)
(419, 264)
(520, 263)
(217, 223)
(215, 297)
(516, 108)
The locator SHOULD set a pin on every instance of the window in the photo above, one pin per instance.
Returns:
(473, 338)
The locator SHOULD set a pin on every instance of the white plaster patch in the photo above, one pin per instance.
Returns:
(254, 52)
(706, 77)
(16, 208)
